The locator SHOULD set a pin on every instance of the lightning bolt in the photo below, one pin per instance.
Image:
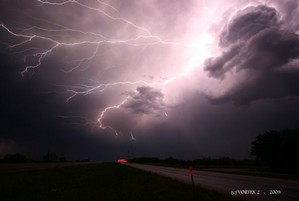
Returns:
(27, 37)
(132, 136)
(102, 126)
(87, 89)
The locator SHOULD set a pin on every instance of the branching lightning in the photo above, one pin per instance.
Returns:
(28, 35)
(86, 89)
(106, 110)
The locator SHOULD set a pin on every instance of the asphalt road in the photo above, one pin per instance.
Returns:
(268, 188)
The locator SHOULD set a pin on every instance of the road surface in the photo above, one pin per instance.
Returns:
(235, 185)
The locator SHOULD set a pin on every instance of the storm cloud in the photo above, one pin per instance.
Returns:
(255, 43)
(145, 100)
(188, 79)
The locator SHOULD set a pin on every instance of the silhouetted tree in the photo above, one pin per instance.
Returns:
(145, 160)
(279, 149)
(62, 159)
(15, 158)
(50, 157)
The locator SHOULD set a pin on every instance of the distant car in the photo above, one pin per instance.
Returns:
(122, 161)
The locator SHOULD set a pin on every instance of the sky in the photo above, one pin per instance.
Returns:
(101, 79)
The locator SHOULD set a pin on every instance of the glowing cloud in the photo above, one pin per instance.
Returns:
(135, 58)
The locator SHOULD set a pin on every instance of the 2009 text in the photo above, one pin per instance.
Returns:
(255, 192)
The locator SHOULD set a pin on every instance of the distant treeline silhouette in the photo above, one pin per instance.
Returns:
(21, 158)
(14, 158)
(199, 163)
(273, 150)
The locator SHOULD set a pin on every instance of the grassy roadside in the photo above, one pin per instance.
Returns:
(250, 172)
(240, 171)
(105, 181)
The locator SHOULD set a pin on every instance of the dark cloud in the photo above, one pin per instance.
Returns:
(259, 58)
(146, 100)
(218, 66)
(289, 12)
(248, 23)
(254, 43)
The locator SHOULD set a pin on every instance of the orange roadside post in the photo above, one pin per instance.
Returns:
(191, 170)
(192, 180)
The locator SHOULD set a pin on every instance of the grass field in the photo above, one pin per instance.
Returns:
(250, 172)
(97, 182)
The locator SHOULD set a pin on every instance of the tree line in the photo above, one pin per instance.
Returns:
(273, 150)
(21, 158)
(276, 150)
